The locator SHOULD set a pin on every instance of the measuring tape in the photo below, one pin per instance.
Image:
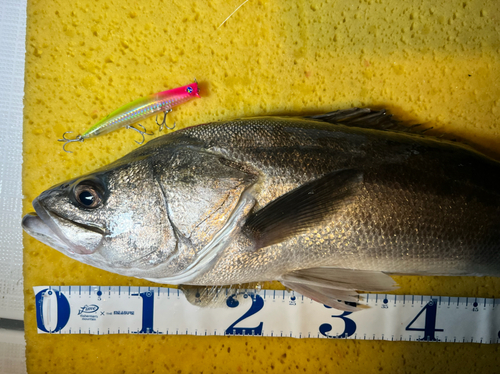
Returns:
(156, 310)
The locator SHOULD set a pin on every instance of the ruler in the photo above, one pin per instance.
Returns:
(158, 310)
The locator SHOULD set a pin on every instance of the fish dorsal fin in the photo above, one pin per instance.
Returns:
(381, 120)
(336, 287)
(302, 208)
(367, 118)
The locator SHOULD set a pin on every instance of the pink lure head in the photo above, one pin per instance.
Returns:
(183, 93)
(176, 96)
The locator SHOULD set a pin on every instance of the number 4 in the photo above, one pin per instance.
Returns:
(430, 322)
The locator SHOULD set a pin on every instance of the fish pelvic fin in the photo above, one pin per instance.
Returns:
(336, 287)
(216, 296)
(302, 208)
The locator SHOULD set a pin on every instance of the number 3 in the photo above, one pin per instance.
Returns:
(349, 329)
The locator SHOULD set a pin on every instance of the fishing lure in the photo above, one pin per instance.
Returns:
(137, 110)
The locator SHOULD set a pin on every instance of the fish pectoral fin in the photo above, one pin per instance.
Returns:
(302, 208)
(337, 287)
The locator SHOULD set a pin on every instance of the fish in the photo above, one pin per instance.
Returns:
(137, 110)
(329, 205)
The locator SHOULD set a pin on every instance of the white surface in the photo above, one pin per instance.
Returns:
(128, 310)
(12, 352)
(12, 50)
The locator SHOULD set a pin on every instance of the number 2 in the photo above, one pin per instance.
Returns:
(257, 305)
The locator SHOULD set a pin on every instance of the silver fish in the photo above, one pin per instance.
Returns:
(327, 204)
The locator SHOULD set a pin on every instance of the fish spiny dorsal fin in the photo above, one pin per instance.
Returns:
(302, 208)
(336, 287)
(369, 119)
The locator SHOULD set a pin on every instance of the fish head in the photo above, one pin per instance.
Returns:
(114, 219)
(151, 216)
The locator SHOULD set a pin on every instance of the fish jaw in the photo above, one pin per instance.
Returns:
(56, 232)
(38, 229)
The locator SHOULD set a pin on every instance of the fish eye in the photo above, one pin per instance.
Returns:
(87, 196)
(189, 89)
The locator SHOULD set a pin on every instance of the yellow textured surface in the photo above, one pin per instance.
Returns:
(434, 61)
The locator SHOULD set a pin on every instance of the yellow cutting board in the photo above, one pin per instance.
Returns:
(434, 62)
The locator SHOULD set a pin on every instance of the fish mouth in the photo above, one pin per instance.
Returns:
(47, 227)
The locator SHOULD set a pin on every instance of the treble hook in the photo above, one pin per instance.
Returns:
(139, 131)
(79, 138)
(164, 122)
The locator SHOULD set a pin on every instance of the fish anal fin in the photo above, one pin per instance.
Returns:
(337, 287)
(302, 208)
